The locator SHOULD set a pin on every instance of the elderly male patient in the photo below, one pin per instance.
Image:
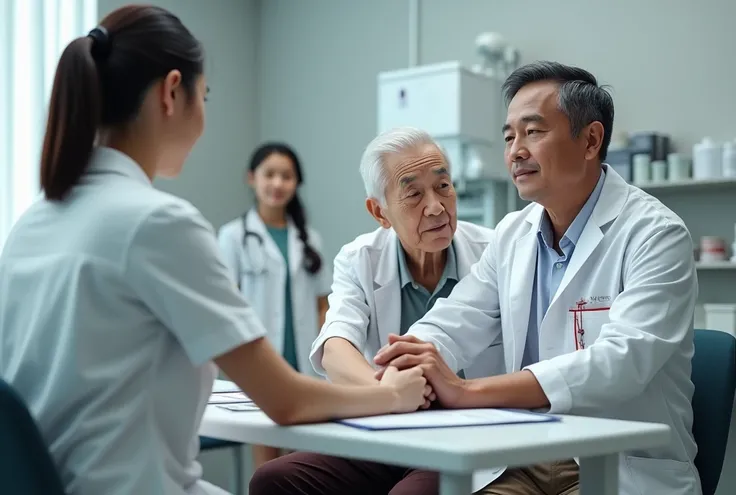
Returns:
(384, 281)
(592, 288)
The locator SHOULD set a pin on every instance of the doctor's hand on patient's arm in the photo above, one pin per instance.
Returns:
(519, 390)
(345, 365)
(407, 352)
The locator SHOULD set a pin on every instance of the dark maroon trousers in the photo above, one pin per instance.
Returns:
(303, 473)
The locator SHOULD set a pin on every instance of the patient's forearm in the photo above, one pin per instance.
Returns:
(345, 364)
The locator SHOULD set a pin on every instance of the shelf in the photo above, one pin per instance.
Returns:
(690, 184)
(715, 265)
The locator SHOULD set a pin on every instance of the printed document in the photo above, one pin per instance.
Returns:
(447, 418)
(233, 398)
(224, 386)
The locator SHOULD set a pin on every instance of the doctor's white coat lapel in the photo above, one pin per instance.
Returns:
(387, 290)
(523, 268)
(608, 207)
(610, 203)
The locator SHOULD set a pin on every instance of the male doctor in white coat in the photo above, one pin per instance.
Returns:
(383, 282)
(592, 288)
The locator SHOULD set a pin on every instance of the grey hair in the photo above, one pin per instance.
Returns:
(581, 98)
(395, 141)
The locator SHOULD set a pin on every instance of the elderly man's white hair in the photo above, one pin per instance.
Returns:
(373, 163)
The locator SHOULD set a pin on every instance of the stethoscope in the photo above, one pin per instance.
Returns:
(255, 264)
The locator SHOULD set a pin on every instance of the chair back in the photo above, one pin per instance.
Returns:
(714, 377)
(27, 466)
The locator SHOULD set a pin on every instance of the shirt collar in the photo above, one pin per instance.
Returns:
(575, 230)
(106, 160)
(450, 271)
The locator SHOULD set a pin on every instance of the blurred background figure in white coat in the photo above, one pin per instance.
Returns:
(383, 282)
(275, 260)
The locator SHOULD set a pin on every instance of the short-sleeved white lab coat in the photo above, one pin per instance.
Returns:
(112, 306)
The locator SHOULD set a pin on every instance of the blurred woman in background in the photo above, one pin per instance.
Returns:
(275, 260)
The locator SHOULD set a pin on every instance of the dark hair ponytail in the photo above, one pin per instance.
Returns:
(312, 260)
(74, 116)
(101, 80)
(295, 210)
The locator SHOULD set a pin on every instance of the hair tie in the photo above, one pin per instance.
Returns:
(100, 43)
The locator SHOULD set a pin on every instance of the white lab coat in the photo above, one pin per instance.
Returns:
(260, 270)
(635, 257)
(365, 303)
(112, 306)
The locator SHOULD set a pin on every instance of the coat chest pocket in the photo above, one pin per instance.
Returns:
(584, 324)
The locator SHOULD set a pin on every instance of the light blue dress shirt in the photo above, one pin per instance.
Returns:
(551, 267)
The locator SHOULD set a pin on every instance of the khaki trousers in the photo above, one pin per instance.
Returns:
(553, 478)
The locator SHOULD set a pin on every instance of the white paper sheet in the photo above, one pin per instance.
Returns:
(229, 398)
(240, 407)
(224, 386)
(446, 418)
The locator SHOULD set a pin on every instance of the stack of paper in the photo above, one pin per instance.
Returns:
(229, 398)
(224, 386)
(227, 395)
(447, 418)
(251, 406)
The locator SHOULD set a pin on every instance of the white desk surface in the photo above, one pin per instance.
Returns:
(449, 450)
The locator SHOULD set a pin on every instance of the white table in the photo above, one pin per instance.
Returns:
(457, 452)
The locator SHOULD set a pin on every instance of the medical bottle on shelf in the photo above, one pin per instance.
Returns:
(707, 160)
(729, 159)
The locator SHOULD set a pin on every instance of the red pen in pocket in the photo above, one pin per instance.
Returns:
(578, 328)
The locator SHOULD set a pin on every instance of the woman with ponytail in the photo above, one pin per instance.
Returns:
(274, 259)
(115, 304)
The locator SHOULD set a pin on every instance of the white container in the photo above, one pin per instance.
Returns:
(707, 160)
(462, 110)
(678, 167)
(720, 317)
(444, 99)
(659, 171)
(729, 159)
(712, 249)
(642, 169)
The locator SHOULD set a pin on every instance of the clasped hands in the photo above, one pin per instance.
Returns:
(407, 351)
